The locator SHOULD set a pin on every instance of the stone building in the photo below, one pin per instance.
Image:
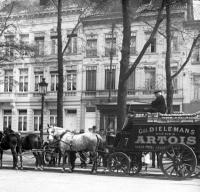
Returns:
(91, 80)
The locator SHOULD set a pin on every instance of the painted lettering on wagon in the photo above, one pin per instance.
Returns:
(164, 139)
(166, 134)
(165, 129)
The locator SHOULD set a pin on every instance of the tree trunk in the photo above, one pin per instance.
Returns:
(167, 60)
(60, 68)
(124, 64)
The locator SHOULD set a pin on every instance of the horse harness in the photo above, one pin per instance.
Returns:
(70, 144)
(60, 139)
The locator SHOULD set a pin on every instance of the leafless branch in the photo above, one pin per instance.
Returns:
(74, 30)
(188, 57)
(146, 45)
(161, 33)
(6, 20)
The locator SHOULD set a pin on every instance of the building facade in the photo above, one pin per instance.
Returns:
(91, 75)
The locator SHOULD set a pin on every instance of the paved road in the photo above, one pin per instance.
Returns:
(55, 181)
(52, 180)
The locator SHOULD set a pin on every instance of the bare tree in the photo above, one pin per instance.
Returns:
(125, 71)
(86, 8)
(11, 48)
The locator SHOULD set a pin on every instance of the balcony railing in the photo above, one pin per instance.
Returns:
(105, 93)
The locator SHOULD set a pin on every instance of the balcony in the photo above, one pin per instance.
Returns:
(6, 97)
(135, 93)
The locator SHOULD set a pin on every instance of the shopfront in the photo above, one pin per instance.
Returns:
(108, 114)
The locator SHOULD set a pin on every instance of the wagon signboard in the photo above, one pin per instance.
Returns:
(155, 137)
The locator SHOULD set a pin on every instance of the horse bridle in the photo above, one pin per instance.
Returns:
(60, 139)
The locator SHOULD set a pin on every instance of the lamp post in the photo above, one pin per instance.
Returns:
(42, 91)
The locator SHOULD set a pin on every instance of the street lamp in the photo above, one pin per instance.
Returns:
(42, 91)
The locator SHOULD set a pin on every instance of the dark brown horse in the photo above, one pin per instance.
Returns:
(32, 142)
(10, 140)
(19, 144)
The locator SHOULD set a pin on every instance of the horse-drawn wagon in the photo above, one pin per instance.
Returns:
(174, 137)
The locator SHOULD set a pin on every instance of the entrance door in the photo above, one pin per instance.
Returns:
(70, 122)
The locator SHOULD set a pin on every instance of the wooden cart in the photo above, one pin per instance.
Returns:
(174, 137)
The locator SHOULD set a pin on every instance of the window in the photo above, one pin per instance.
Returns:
(54, 81)
(7, 118)
(38, 79)
(22, 121)
(110, 44)
(71, 80)
(72, 48)
(150, 79)
(8, 81)
(23, 80)
(196, 53)
(110, 79)
(53, 117)
(152, 46)
(91, 46)
(196, 81)
(131, 81)
(24, 41)
(9, 45)
(39, 46)
(133, 44)
(37, 120)
(91, 79)
(53, 45)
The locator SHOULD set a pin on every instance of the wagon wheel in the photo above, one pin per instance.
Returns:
(119, 163)
(178, 161)
(136, 164)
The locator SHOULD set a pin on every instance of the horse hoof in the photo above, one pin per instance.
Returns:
(36, 168)
(16, 168)
(63, 170)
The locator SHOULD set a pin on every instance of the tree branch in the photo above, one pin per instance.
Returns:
(161, 33)
(73, 31)
(54, 3)
(188, 57)
(146, 45)
(7, 18)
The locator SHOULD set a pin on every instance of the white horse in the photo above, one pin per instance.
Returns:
(70, 143)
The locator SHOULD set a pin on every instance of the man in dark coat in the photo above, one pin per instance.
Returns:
(158, 105)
